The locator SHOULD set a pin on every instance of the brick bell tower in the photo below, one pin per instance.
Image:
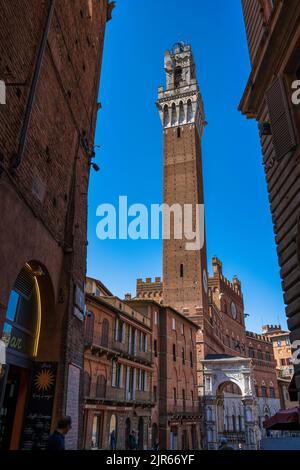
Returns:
(185, 283)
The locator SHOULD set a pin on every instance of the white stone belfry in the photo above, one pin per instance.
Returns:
(181, 102)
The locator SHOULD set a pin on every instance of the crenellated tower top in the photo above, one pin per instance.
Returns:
(181, 102)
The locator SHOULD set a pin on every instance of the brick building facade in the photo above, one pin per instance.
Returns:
(273, 33)
(118, 371)
(51, 53)
(175, 417)
(284, 366)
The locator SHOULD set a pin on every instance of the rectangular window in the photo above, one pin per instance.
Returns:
(174, 352)
(175, 396)
(183, 356)
(116, 329)
(155, 317)
(264, 391)
(251, 352)
(173, 324)
(182, 328)
(191, 359)
(259, 354)
(181, 270)
(155, 347)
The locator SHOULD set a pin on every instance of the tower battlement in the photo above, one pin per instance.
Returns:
(234, 285)
(151, 289)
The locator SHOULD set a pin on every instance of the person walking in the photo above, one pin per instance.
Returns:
(224, 444)
(132, 441)
(57, 440)
(113, 440)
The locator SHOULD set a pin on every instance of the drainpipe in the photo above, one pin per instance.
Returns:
(32, 93)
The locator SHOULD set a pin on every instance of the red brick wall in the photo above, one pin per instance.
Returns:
(50, 228)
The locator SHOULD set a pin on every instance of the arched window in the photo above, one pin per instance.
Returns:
(181, 113)
(89, 327)
(105, 332)
(101, 387)
(166, 116)
(189, 111)
(174, 115)
(87, 384)
(23, 317)
(177, 76)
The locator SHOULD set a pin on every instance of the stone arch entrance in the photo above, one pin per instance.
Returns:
(29, 335)
(228, 394)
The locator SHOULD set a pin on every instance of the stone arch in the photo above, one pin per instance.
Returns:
(173, 115)
(89, 327)
(181, 113)
(189, 111)
(166, 116)
(101, 386)
(31, 305)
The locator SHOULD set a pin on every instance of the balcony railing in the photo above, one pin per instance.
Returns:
(184, 410)
(113, 346)
(128, 349)
(114, 394)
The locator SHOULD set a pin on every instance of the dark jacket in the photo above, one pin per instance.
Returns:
(56, 441)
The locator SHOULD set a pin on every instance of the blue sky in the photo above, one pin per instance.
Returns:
(238, 221)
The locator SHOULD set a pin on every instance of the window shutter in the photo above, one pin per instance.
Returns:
(116, 329)
(123, 332)
(146, 343)
(283, 133)
(113, 377)
(89, 327)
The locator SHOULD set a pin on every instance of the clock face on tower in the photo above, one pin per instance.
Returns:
(233, 310)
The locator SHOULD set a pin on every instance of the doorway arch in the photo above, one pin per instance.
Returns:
(30, 333)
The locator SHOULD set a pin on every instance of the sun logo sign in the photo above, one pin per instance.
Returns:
(44, 380)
